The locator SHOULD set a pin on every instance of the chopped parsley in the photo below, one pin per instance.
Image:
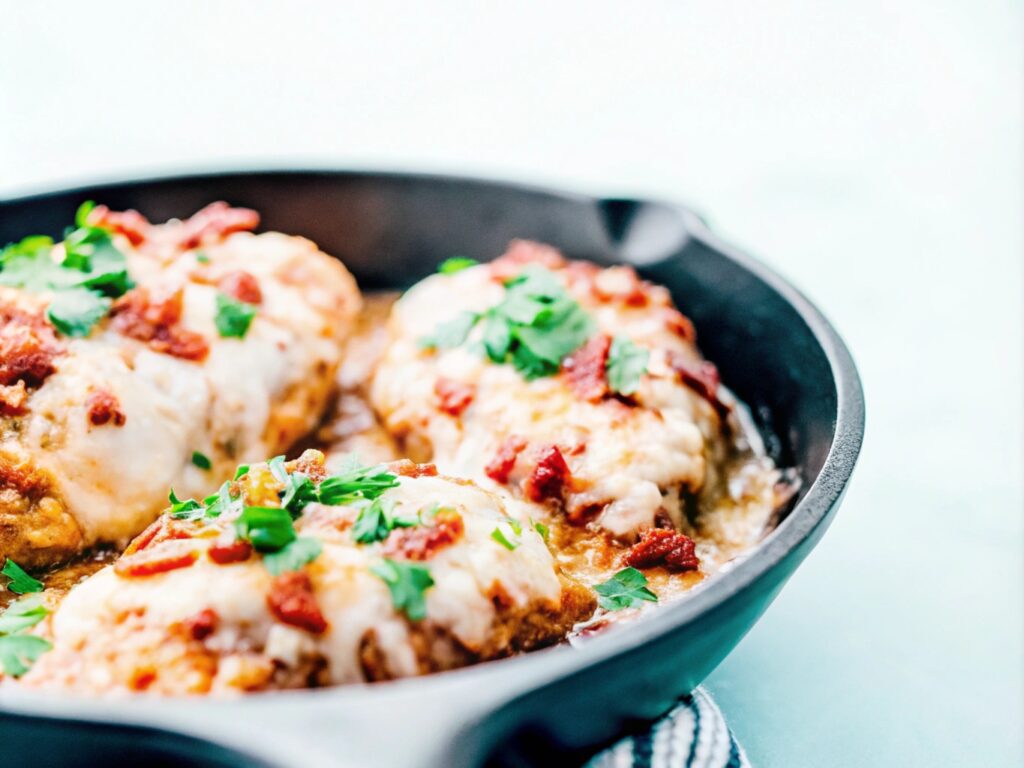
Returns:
(189, 509)
(243, 469)
(627, 362)
(268, 529)
(19, 650)
(202, 258)
(299, 489)
(293, 556)
(201, 460)
(354, 482)
(499, 536)
(542, 529)
(91, 271)
(233, 317)
(20, 582)
(407, 582)
(456, 264)
(626, 589)
(535, 326)
(376, 520)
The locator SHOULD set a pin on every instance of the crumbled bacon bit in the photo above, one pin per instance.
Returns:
(28, 346)
(156, 321)
(105, 408)
(150, 562)
(658, 546)
(521, 253)
(202, 625)
(702, 378)
(130, 223)
(233, 551)
(421, 542)
(454, 396)
(585, 368)
(406, 468)
(292, 602)
(500, 467)
(241, 285)
(311, 464)
(549, 477)
(215, 222)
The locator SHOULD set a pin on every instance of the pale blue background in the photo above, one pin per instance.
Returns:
(869, 150)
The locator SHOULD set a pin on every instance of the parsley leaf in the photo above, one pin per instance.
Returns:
(241, 471)
(451, 333)
(75, 311)
(268, 529)
(218, 503)
(22, 614)
(626, 589)
(499, 536)
(293, 556)
(189, 509)
(627, 362)
(354, 482)
(456, 264)
(374, 521)
(233, 317)
(18, 652)
(407, 583)
(201, 460)
(20, 582)
(542, 529)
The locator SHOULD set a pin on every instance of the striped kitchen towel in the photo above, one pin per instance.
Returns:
(693, 735)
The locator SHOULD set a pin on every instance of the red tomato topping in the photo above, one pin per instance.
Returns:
(235, 551)
(162, 529)
(203, 624)
(500, 467)
(521, 253)
(131, 224)
(150, 562)
(658, 546)
(585, 368)
(702, 378)
(105, 408)
(421, 542)
(549, 477)
(28, 346)
(215, 222)
(156, 321)
(454, 396)
(241, 285)
(292, 602)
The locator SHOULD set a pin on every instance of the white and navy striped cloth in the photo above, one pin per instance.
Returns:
(693, 735)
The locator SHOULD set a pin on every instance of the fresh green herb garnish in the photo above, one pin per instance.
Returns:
(627, 362)
(626, 589)
(217, 504)
(20, 582)
(202, 258)
(535, 326)
(298, 489)
(293, 556)
(243, 469)
(19, 650)
(75, 311)
(355, 482)
(376, 520)
(499, 536)
(201, 460)
(542, 529)
(91, 270)
(189, 509)
(456, 264)
(233, 317)
(268, 529)
(407, 583)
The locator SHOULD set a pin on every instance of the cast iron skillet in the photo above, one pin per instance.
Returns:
(774, 349)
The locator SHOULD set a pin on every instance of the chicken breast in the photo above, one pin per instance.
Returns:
(138, 357)
(559, 382)
(386, 572)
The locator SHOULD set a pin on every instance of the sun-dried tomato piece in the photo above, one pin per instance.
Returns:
(156, 320)
(658, 546)
(407, 468)
(215, 222)
(421, 542)
(162, 529)
(549, 477)
(702, 378)
(519, 254)
(235, 551)
(585, 368)
(292, 602)
(202, 625)
(241, 285)
(28, 347)
(152, 561)
(130, 223)
(105, 408)
(679, 324)
(500, 467)
(454, 397)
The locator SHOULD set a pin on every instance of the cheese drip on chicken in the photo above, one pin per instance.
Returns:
(224, 350)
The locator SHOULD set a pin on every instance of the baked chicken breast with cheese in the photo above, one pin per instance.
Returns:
(136, 357)
(290, 577)
(567, 385)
